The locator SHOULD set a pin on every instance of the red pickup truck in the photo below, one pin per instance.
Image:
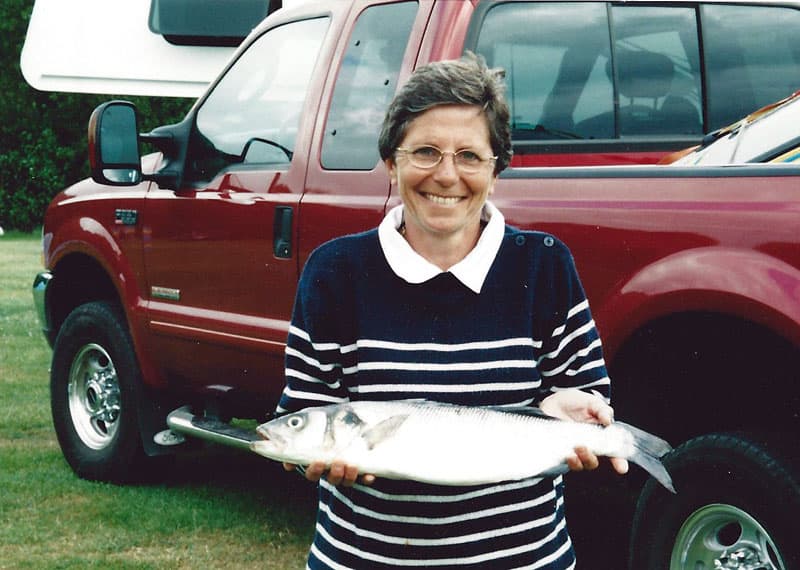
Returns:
(170, 279)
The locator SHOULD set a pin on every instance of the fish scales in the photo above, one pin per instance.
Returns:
(448, 444)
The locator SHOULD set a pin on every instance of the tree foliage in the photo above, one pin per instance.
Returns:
(43, 134)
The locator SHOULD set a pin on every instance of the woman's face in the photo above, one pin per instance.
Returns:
(444, 202)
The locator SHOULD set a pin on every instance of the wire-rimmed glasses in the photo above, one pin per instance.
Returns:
(429, 156)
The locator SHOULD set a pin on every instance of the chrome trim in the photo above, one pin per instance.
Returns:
(166, 293)
(40, 285)
(184, 422)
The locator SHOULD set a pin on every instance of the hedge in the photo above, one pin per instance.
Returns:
(43, 134)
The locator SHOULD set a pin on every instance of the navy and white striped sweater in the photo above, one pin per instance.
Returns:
(360, 332)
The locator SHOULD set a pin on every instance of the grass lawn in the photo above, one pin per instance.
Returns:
(216, 509)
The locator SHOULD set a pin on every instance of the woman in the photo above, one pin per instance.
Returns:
(445, 302)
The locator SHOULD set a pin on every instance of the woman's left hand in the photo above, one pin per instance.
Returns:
(578, 406)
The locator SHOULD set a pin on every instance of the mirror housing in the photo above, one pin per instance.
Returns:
(114, 156)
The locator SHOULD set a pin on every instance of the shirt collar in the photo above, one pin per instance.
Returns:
(413, 268)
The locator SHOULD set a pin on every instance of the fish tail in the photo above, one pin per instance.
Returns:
(648, 450)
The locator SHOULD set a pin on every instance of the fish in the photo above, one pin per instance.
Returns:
(447, 444)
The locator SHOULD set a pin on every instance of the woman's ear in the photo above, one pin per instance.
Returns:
(391, 168)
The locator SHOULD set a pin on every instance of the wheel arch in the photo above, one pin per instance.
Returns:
(709, 335)
(694, 372)
(88, 263)
(748, 284)
(80, 279)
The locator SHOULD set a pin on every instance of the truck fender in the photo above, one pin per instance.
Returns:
(89, 238)
(745, 283)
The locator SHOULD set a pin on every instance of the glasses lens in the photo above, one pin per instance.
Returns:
(468, 161)
(425, 156)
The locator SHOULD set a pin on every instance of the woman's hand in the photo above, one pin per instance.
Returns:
(339, 473)
(578, 406)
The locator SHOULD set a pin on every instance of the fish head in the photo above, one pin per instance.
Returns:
(300, 437)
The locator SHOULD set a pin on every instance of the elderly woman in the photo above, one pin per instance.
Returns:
(446, 302)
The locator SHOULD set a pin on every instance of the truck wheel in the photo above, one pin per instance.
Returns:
(93, 394)
(734, 508)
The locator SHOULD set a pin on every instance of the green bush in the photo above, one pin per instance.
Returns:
(43, 134)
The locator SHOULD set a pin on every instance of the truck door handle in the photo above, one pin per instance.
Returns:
(282, 232)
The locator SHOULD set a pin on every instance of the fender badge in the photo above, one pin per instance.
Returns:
(165, 293)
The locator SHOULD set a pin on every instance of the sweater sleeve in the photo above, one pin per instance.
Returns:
(315, 353)
(572, 352)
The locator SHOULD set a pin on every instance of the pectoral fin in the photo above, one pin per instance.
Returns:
(383, 430)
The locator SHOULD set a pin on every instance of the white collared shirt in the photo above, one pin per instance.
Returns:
(413, 268)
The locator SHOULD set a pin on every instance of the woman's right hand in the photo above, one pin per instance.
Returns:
(339, 473)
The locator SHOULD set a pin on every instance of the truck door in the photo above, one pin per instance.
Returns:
(220, 251)
(347, 186)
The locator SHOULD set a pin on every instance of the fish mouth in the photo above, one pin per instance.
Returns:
(265, 434)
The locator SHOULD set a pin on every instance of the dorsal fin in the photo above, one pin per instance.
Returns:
(521, 411)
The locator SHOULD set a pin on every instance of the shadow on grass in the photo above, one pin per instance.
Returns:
(257, 480)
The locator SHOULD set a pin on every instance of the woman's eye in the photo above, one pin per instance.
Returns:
(426, 152)
(468, 157)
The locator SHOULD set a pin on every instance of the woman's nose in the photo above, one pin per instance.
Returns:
(447, 169)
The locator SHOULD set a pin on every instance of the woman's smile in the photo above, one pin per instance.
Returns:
(443, 200)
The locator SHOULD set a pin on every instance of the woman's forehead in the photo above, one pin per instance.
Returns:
(456, 124)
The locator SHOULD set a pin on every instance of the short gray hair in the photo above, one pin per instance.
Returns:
(464, 81)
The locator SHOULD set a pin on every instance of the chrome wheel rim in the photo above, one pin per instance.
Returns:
(94, 396)
(724, 537)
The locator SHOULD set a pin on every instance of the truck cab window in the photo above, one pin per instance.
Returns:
(567, 81)
(656, 67)
(551, 55)
(252, 114)
(365, 85)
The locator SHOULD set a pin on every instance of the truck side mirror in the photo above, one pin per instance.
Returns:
(114, 155)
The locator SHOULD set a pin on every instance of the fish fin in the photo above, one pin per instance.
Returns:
(648, 452)
(522, 411)
(514, 410)
(383, 430)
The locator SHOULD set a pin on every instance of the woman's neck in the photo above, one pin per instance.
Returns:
(444, 251)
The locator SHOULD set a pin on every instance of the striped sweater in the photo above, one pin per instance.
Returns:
(509, 325)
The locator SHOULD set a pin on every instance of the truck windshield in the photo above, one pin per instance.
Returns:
(252, 114)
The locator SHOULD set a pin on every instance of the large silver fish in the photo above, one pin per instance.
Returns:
(450, 445)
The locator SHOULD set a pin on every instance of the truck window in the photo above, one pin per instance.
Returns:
(656, 70)
(551, 53)
(567, 80)
(252, 114)
(753, 51)
(365, 85)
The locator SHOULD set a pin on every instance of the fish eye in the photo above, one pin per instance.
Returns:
(295, 422)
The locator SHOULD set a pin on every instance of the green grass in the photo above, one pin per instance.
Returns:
(218, 508)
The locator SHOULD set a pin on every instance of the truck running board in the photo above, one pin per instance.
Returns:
(184, 422)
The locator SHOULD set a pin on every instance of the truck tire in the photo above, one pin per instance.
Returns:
(734, 508)
(93, 383)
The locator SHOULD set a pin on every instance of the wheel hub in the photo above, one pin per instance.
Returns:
(94, 396)
(724, 537)
(745, 558)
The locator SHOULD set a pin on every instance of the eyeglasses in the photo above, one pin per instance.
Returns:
(429, 156)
